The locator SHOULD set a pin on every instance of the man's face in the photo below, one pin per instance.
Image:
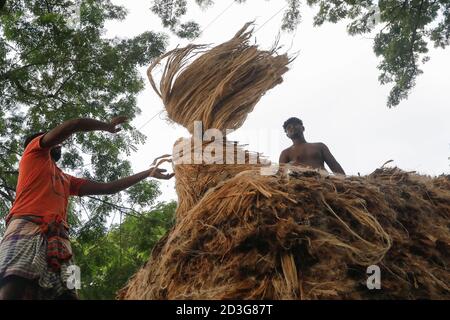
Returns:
(294, 130)
(55, 153)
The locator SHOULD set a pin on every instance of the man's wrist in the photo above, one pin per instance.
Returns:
(105, 126)
(88, 124)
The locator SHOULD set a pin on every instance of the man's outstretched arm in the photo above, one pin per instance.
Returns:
(69, 127)
(98, 188)
(331, 161)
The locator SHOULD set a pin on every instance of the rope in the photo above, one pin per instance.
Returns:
(215, 19)
(277, 13)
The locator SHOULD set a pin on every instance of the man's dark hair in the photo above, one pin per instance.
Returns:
(292, 120)
(30, 138)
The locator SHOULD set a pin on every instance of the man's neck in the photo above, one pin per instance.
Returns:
(299, 140)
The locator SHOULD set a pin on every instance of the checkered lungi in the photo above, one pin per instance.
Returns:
(23, 253)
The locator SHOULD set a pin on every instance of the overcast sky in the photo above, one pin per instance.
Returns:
(332, 86)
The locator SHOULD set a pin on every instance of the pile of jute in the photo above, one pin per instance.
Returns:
(243, 232)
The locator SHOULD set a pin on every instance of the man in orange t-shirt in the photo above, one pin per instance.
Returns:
(42, 188)
(35, 252)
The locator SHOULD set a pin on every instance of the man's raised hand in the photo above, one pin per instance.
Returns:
(115, 122)
(159, 174)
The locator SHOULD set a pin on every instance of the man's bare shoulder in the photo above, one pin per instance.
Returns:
(319, 145)
(287, 150)
(285, 155)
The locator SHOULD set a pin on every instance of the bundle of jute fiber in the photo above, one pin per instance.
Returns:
(306, 235)
(215, 88)
(205, 166)
(221, 86)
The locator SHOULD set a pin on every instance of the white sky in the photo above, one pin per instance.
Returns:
(332, 86)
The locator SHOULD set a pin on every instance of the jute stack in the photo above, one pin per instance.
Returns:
(292, 235)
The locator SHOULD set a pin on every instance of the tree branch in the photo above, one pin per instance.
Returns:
(7, 196)
(9, 192)
(30, 93)
(7, 187)
(40, 63)
(2, 4)
(34, 94)
(10, 150)
(120, 208)
(13, 172)
(107, 203)
(401, 7)
(55, 95)
(414, 34)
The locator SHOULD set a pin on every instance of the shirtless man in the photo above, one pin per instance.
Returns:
(312, 155)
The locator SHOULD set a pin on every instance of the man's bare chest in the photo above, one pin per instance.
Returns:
(306, 153)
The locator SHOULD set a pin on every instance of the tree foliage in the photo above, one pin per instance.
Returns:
(404, 29)
(56, 64)
(109, 260)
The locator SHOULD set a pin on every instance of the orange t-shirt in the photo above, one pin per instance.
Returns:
(42, 188)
